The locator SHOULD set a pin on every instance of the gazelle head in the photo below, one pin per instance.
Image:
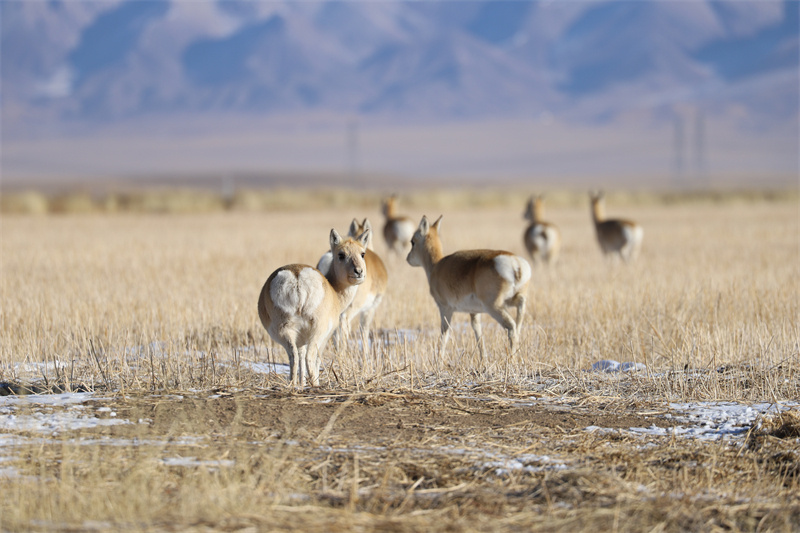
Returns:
(357, 228)
(387, 206)
(348, 257)
(425, 244)
(534, 210)
(598, 204)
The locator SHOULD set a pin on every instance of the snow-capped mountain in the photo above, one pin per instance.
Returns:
(97, 61)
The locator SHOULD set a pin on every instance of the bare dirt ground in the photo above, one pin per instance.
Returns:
(400, 460)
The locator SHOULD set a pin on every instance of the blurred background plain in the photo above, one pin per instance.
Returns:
(637, 93)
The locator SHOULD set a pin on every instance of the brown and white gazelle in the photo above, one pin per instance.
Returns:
(472, 281)
(300, 307)
(370, 293)
(542, 239)
(398, 229)
(616, 236)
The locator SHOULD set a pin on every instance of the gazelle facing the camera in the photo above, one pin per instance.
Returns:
(542, 239)
(398, 229)
(300, 307)
(370, 293)
(472, 281)
(616, 236)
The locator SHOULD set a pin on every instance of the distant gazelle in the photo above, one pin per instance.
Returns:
(472, 281)
(398, 229)
(370, 293)
(300, 307)
(542, 239)
(616, 236)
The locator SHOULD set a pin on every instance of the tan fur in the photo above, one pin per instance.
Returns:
(542, 239)
(398, 229)
(300, 307)
(615, 236)
(472, 281)
(370, 293)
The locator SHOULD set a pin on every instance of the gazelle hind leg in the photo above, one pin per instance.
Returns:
(303, 370)
(504, 318)
(313, 365)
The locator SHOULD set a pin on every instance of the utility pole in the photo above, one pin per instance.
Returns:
(352, 148)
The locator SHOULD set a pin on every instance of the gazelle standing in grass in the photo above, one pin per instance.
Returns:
(472, 281)
(616, 236)
(300, 307)
(542, 239)
(370, 293)
(398, 229)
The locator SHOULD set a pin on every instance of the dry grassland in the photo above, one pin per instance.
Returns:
(158, 314)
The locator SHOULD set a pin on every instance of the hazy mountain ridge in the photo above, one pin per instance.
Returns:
(98, 61)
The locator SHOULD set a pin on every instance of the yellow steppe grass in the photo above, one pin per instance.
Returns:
(168, 303)
(161, 301)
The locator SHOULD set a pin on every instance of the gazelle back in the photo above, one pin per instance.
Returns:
(472, 281)
(370, 293)
(398, 229)
(300, 307)
(542, 239)
(615, 236)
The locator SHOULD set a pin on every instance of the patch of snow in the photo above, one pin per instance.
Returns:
(609, 365)
(190, 462)
(525, 463)
(267, 368)
(55, 422)
(715, 420)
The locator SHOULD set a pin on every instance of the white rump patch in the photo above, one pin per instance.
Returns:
(325, 263)
(297, 295)
(507, 266)
(405, 230)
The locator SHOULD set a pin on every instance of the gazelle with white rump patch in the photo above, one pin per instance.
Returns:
(472, 281)
(300, 307)
(398, 229)
(370, 293)
(542, 239)
(616, 236)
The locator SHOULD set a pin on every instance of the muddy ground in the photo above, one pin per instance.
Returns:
(409, 461)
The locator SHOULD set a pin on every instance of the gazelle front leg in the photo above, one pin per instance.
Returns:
(475, 320)
(447, 317)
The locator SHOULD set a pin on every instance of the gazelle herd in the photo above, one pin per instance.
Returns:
(301, 306)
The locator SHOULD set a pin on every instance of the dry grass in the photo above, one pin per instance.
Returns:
(136, 304)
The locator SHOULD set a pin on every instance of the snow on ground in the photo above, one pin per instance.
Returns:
(609, 365)
(32, 419)
(715, 420)
(55, 413)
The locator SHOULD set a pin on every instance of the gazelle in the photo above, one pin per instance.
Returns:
(398, 229)
(542, 239)
(472, 281)
(370, 293)
(616, 236)
(300, 307)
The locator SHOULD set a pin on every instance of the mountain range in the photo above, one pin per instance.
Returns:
(99, 61)
(447, 88)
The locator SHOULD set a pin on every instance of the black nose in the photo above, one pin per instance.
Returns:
(358, 271)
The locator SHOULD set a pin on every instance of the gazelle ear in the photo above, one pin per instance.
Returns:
(336, 239)
(438, 223)
(423, 226)
(366, 224)
(363, 239)
(353, 228)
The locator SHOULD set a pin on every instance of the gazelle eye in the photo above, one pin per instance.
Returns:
(363, 254)
(341, 256)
